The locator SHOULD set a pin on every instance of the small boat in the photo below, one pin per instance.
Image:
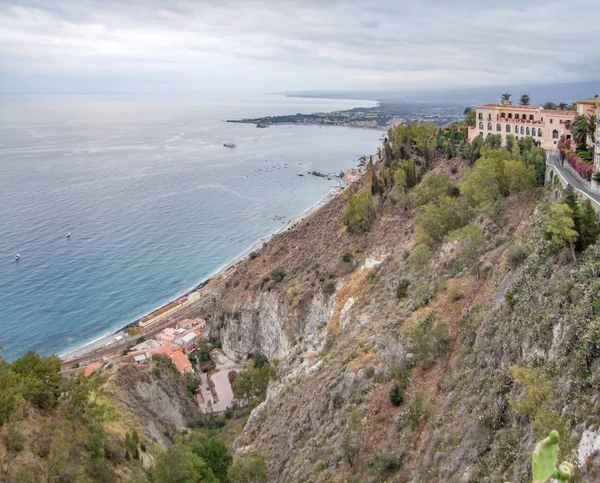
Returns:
(229, 145)
(17, 256)
(68, 234)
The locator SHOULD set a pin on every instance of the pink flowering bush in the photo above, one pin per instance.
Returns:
(584, 170)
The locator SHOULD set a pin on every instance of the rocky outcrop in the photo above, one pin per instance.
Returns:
(269, 325)
(155, 399)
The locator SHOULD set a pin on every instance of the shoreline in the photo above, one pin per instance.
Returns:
(120, 334)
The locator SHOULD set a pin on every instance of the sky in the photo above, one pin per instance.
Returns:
(123, 46)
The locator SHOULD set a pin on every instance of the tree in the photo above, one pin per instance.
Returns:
(519, 177)
(396, 396)
(549, 105)
(485, 184)
(419, 257)
(505, 97)
(248, 469)
(214, 453)
(471, 245)
(524, 100)
(560, 227)
(180, 465)
(469, 113)
(582, 127)
(588, 226)
(359, 212)
(432, 187)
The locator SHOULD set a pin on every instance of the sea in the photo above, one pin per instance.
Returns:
(153, 201)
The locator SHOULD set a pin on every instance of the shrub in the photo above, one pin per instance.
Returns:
(277, 274)
(386, 463)
(359, 212)
(433, 186)
(414, 410)
(396, 395)
(515, 255)
(419, 257)
(329, 288)
(337, 400)
(347, 257)
(253, 254)
(454, 293)
(402, 289)
(423, 295)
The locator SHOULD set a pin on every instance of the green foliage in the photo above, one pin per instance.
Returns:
(537, 400)
(180, 465)
(560, 226)
(524, 100)
(248, 469)
(584, 219)
(437, 220)
(277, 274)
(358, 214)
(544, 459)
(402, 288)
(396, 395)
(214, 453)
(428, 338)
(251, 383)
(414, 411)
(471, 244)
(329, 288)
(39, 379)
(414, 140)
(432, 187)
(515, 255)
(385, 463)
(469, 113)
(485, 184)
(419, 257)
(348, 257)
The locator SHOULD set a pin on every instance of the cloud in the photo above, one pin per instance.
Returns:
(126, 45)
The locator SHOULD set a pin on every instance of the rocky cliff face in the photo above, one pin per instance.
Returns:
(154, 400)
(485, 365)
(268, 325)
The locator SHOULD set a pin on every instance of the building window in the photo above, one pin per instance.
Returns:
(542, 119)
(489, 117)
(480, 125)
(510, 115)
(517, 116)
(527, 132)
(555, 134)
(502, 115)
(539, 132)
(489, 126)
(522, 130)
(531, 117)
(480, 115)
(498, 128)
(551, 121)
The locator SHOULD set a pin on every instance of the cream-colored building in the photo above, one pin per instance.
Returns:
(545, 126)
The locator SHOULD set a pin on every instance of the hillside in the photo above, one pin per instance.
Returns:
(424, 325)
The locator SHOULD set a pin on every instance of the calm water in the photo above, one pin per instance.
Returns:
(152, 199)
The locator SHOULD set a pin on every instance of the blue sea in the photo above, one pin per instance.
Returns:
(153, 200)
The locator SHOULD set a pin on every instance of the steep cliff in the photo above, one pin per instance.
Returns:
(487, 357)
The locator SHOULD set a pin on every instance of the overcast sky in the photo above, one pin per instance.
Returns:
(268, 45)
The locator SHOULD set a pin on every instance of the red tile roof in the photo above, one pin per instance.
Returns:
(180, 360)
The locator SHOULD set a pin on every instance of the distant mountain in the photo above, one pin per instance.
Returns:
(539, 93)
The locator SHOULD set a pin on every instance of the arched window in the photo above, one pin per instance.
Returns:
(555, 134)
(489, 126)
(527, 132)
(507, 128)
(517, 116)
(498, 128)
(539, 132)
(522, 130)
(480, 125)
(531, 117)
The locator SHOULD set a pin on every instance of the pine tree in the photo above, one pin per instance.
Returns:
(588, 226)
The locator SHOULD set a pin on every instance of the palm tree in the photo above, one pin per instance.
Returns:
(524, 100)
(583, 127)
(505, 97)
(562, 106)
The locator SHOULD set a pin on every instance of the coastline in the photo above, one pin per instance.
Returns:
(120, 334)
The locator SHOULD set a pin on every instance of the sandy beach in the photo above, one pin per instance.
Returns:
(120, 336)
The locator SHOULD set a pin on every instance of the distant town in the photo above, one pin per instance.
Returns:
(382, 116)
